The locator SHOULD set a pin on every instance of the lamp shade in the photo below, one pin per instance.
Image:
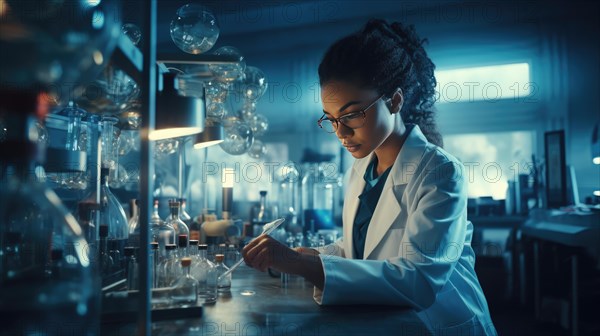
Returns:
(596, 144)
(176, 115)
(212, 135)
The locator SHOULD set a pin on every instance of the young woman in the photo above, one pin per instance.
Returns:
(407, 240)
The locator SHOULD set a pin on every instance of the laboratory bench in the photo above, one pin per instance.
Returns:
(260, 304)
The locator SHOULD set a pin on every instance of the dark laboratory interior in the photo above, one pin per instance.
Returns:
(289, 167)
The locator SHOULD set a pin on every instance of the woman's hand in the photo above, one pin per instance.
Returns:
(264, 252)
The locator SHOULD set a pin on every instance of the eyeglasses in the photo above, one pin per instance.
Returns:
(352, 120)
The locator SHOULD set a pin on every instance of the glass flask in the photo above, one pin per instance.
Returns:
(112, 213)
(185, 289)
(318, 192)
(205, 272)
(87, 219)
(223, 283)
(33, 222)
(194, 29)
(174, 221)
(134, 223)
(161, 232)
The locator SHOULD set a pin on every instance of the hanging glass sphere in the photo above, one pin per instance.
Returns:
(238, 137)
(248, 110)
(215, 91)
(133, 32)
(257, 150)
(194, 29)
(166, 147)
(254, 84)
(228, 73)
(215, 110)
(259, 124)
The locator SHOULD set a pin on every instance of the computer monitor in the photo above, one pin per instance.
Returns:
(556, 169)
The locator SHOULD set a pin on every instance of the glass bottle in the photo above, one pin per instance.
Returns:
(205, 272)
(154, 264)
(185, 289)
(182, 244)
(170, 268)
(223, 283)
(175, 221)
(33, 222)
(161, 232)
(106, 261)
(193, 249)
(131, 268)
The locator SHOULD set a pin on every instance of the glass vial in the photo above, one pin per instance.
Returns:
(185, 289)
(223, 283)
(206, 273)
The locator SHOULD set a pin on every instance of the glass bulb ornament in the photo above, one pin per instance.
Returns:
(254, 85)
(257, 150)
(133, 32)
(216, 91)
(166, 147)
(248, 110)
(118, 88)
(238, 137)
(194, 29)
(228, 73)
(259, 124)
(215, 110)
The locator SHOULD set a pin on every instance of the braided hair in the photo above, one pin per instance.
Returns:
(385, 57)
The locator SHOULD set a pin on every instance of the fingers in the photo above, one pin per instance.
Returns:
(257, 252)
(265, 252)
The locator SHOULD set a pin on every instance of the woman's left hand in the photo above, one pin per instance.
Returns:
(264, 252)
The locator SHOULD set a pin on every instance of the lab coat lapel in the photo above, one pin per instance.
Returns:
(352, 201)
(388, 207)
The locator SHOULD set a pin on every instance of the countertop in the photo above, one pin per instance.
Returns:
(260, 305)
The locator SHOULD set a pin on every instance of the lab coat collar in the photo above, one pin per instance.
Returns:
(388, 207)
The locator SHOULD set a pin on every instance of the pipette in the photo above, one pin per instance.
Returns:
(267, 229)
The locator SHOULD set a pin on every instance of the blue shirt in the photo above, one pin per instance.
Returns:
(368, 203)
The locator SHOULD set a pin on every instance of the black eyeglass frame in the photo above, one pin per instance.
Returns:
(336, 121)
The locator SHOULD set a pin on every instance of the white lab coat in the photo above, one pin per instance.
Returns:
(418, 245)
